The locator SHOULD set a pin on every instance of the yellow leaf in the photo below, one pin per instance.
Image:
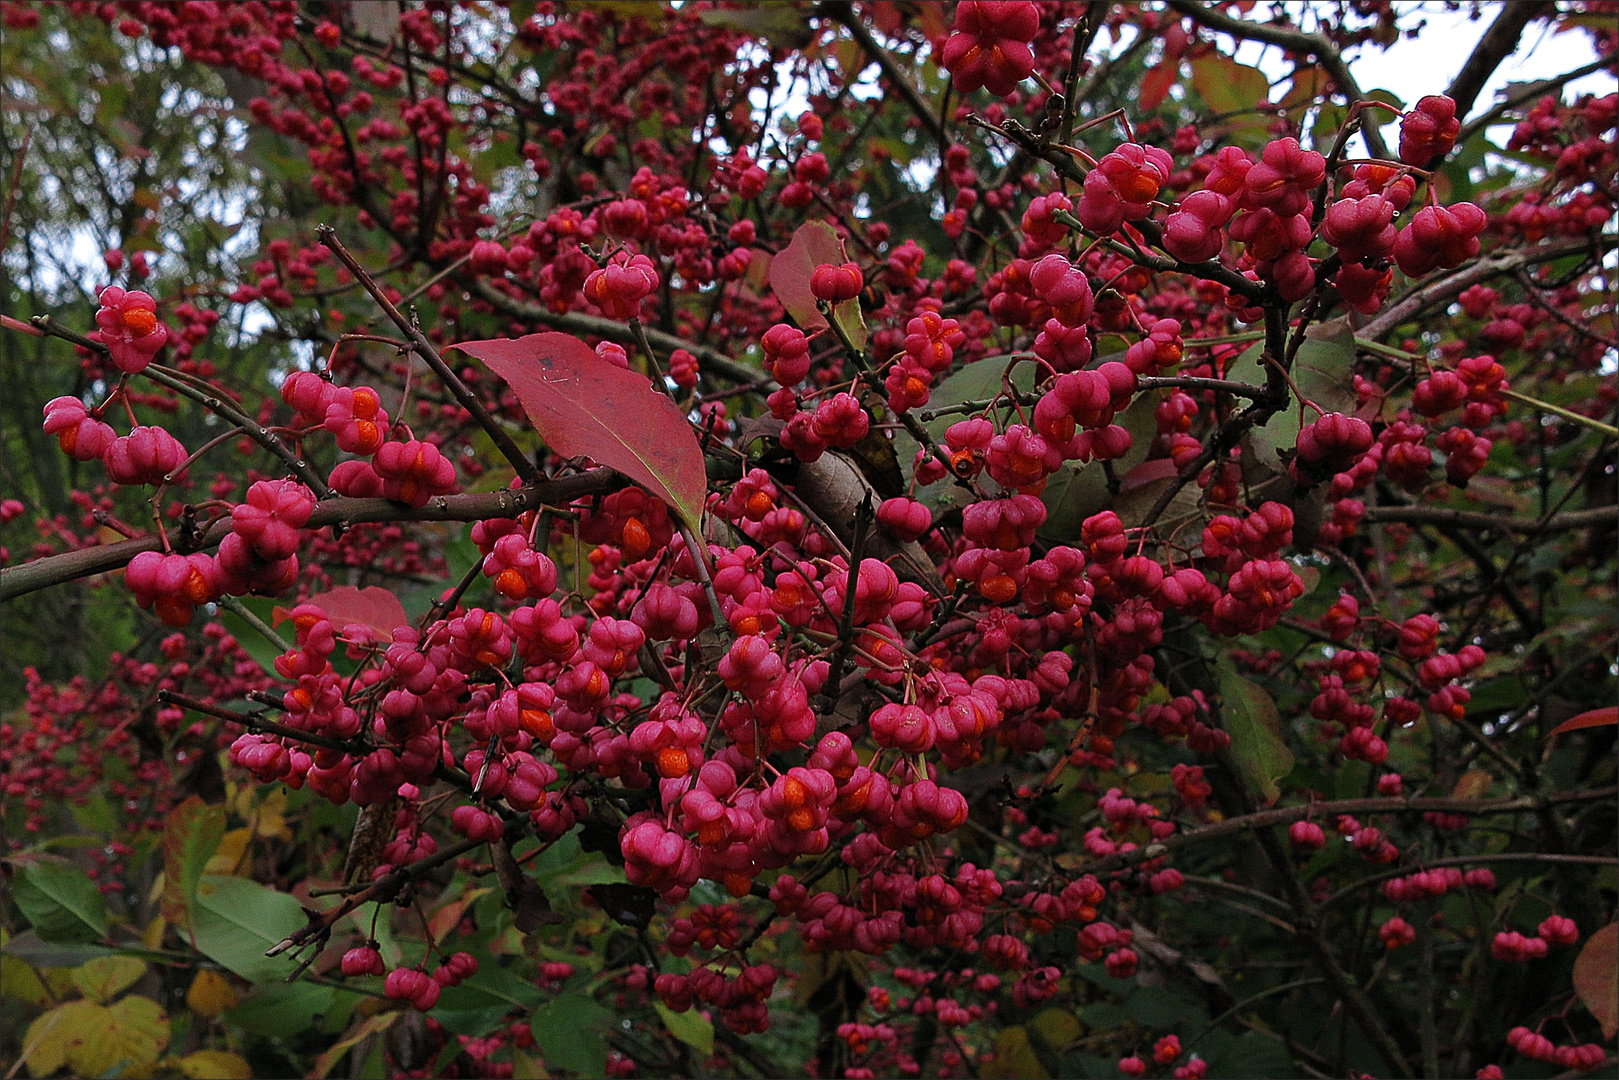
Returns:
(131, 1033)
(216, 1065)
(191, 834)
(526, 1066)
(1058, 1027)
(152, 936)
(22, 983)
(58, 982)
(211, 993)
(105, 977)
(819, 968)
(1472, 785)
(358, 1033)
(242, 801)
(1014, 1057)
(53, 1036)
(231, 856)
(270, 820)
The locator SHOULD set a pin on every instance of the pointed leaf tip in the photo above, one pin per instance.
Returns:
(584, 406)
(1588, 719)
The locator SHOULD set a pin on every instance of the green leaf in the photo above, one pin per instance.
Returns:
(191, 835)
(1324, 371)
(95, 816)
(565, 1031)
(1504, 693)
(784, 26)
(481, 1004)
(851, 322)
(1227, 86)
(277, 1008)
(249, 637)
(1075, 491)
(1253, 1054)
(1102, 1015)
(1383, 116)
(38, 953)
(597, 871)
(234, 921)
(498, 985)
(1328, 120)
(1161, 1007)
(690, 1027)
(60, 900)
(1257, 743)
(563, 857)
(978, 381)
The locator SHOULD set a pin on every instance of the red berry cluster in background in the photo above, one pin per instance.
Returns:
(1118, 562)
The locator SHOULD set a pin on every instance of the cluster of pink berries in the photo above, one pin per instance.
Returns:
(740, 998)
(1553, 930)
(411, 984)
(1584, 1058)
(1164, 1052)
(411, 472)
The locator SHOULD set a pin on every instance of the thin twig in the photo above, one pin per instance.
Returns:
(1286, 815)
(843, 13)
(711, 361)
(875, 384)
(247, 616)
(209, 399)
(857, 547)
(525, 468)
(337, 512)
(253, 723)
(1444, 289)
(1316, 45)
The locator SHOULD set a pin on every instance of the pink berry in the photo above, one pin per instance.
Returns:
(835, 284)
(989, 45)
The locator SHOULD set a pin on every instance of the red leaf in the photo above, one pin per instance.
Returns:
(584, 406)
(1155, 85)
(1474, 783)
(1147, 472)
(1596, 978)
(372, 606)
(813, 243)
(1589, 718)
